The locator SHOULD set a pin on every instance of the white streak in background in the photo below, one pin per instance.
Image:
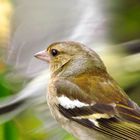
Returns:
(35, 90)
(39, 23)
(70, 104)
(81, 25)
(91, 23)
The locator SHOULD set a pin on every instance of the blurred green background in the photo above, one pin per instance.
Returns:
(123, 62)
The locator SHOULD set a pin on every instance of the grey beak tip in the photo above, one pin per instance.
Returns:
(35, 55)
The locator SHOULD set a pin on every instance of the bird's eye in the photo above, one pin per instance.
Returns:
(54, 52)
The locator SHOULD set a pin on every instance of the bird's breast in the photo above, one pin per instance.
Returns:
(53, 105)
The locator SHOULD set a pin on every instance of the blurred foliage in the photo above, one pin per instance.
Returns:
(8, 131)
(125, 20)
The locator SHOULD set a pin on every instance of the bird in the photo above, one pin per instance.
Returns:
(84, 99)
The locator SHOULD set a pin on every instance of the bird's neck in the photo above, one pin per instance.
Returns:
(76, 67)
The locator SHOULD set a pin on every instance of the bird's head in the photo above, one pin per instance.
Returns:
(73, 57)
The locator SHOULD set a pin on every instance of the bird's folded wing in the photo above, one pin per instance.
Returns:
(117, 119)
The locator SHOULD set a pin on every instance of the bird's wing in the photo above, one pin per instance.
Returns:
(105, 108)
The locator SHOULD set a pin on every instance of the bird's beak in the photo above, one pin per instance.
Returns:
(42, 55)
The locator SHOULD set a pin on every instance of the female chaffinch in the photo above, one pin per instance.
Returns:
(84, 98)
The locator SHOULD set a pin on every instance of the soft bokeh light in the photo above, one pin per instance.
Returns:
(5, 14)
